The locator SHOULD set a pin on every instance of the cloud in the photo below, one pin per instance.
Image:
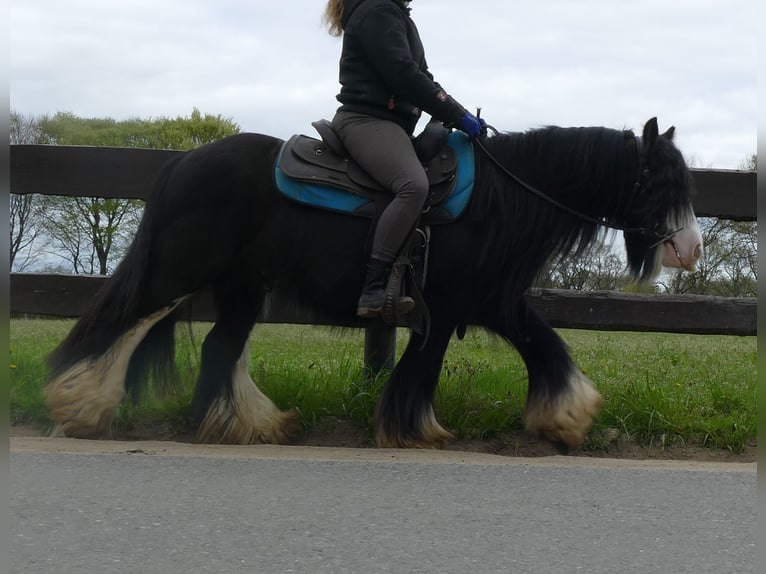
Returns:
(271, 67)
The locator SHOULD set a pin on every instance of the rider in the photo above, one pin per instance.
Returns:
(385, 83)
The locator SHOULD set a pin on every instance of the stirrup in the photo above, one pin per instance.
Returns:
(397, 305)
(405, 306)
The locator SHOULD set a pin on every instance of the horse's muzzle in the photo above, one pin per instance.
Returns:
(684, 249)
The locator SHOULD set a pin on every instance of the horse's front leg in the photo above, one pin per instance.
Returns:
(561, 400)
(404, 416)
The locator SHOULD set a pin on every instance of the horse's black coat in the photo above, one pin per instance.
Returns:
(215, 221)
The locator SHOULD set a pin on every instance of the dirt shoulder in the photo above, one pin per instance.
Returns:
(340, 440)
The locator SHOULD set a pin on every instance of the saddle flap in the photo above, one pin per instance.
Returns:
(307, 159)
(442, 166)
(315, 152)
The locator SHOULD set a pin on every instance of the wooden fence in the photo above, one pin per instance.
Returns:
(128, 173)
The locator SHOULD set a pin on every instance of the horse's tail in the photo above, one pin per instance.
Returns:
(122, 332)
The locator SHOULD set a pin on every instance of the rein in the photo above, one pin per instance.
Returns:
(638, 187)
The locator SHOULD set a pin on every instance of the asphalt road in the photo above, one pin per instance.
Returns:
(259, 511)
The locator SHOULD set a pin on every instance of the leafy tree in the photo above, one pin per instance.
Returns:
(86, 230)
(181, 133)
(26, 130)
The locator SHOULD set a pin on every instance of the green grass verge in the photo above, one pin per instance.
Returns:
(659, 389)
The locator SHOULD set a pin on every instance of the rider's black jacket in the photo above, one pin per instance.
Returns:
(383, 70)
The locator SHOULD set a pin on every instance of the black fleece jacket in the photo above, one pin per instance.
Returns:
(383, 70)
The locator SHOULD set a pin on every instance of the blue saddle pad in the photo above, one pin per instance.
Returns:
(339, 200)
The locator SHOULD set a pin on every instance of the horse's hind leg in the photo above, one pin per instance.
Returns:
(84, 397)
(232, 409)
(561, 400)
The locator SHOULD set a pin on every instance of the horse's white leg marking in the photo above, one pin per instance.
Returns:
(83, 398)
(569, 417)
(433, 435)
(248, 416)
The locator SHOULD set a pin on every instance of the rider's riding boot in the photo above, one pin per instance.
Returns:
(373, 295)
(374, 289)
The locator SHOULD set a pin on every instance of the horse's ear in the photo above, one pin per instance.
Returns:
(651, 132)
(668, 135)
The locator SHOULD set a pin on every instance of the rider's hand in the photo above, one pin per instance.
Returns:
(473, 126)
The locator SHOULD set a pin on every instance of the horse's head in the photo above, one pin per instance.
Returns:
(663, 209)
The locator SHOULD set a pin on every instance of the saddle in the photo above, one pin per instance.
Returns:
(325, 166)
(320, 173)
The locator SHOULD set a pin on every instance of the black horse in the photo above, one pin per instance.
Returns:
(216, 222)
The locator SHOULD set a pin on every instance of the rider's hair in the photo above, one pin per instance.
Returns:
(333, 13)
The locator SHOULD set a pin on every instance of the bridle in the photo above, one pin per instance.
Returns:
(638, 188)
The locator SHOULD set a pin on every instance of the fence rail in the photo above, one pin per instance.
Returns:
(128, 173)
(60, 295)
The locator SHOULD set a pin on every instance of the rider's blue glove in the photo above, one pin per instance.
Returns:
(473, 126)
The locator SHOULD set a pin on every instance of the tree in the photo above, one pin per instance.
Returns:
(91, 234)
(25, 210)
(65, 128)
(26, 130)
(24, 230)
(86, 230)
(599, 268)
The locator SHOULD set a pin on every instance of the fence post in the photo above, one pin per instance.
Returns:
(379, 348)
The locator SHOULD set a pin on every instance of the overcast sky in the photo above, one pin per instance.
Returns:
(272, 68)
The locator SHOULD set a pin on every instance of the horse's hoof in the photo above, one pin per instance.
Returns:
(567, 418)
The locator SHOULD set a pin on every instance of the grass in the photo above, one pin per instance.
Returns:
(659, 389)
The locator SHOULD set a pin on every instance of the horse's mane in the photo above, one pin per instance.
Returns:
(587, 169)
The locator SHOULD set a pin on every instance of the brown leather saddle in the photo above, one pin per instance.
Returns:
(326, 162)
